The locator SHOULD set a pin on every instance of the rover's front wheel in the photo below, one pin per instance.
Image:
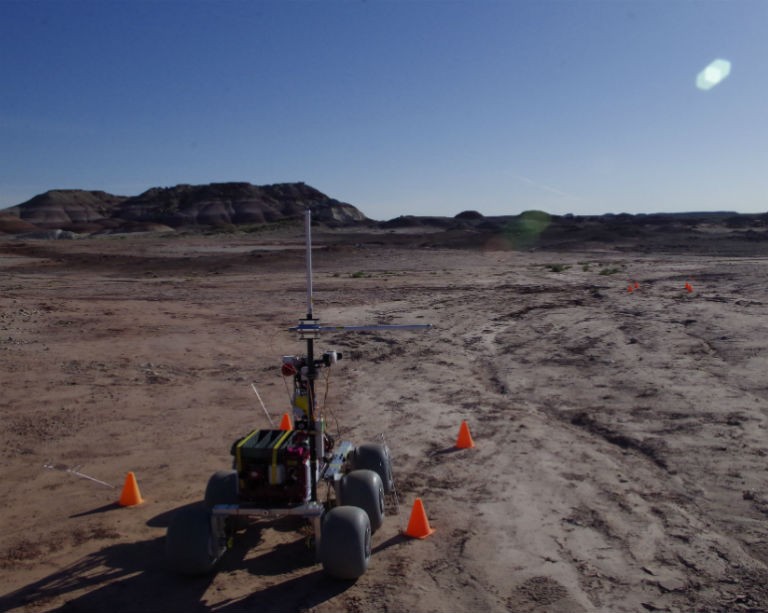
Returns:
(345, 542)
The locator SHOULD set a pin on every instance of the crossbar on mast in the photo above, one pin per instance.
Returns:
(311, 327)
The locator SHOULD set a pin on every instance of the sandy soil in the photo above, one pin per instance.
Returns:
(620, 459)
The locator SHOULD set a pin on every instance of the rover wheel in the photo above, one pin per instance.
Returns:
(372, 456)
(345, 542)
(190, 545)
(222, 488)
(363, 488)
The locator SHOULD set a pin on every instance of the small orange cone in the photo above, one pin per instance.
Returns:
(464, 440)
(131, 495)
(637, 285)
(688, 287)
(630, 289)
(285, 422)
(418, 524)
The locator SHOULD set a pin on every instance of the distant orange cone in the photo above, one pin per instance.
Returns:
(464, 440)
(285, 423)
(131, 495)
(418, 524)
(630, 289)
(688, 287)
(637, 285)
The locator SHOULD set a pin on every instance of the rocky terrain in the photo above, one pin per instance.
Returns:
(615, 393)
(611, 370)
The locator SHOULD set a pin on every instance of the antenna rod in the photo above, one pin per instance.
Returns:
(308, 231)
(311, 366)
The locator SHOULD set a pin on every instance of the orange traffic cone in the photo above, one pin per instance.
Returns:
(418, 524)
(630, 289)
(285, 422)
(131, 495)
(688, 287)
(637, 285)
(464, 440)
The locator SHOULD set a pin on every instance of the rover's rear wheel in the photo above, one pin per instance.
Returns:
(190, 544)
(222, 488)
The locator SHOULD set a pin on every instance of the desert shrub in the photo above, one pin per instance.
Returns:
(557, 267)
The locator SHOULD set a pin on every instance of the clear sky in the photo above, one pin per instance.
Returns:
(411, 107)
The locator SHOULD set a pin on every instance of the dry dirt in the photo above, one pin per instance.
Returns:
(620, 458)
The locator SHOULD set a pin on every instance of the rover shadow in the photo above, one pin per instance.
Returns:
(118, 578)
(129, 577)
(302, 593)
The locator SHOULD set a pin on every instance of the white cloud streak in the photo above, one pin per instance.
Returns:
(546, 188)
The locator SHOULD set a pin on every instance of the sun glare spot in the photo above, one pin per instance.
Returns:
(713, 74)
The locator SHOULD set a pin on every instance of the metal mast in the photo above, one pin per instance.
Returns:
(311, 369)
(309, 329)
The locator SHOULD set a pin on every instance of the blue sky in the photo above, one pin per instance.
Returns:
(411, 107)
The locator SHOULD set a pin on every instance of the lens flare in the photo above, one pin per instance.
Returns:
(713, 74)
(523, 232)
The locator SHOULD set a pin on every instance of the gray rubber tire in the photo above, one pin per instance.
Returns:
(372, 456)
(363, 488)
(222, 488)
(345, 543)
(189, 543)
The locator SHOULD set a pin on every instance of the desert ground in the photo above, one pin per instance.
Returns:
(620, 437)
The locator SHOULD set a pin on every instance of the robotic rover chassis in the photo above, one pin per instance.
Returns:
(278, 473)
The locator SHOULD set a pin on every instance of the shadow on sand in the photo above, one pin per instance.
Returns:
(129, 577)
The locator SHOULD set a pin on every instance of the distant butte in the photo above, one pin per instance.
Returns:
(216, 205)
(244, 208)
